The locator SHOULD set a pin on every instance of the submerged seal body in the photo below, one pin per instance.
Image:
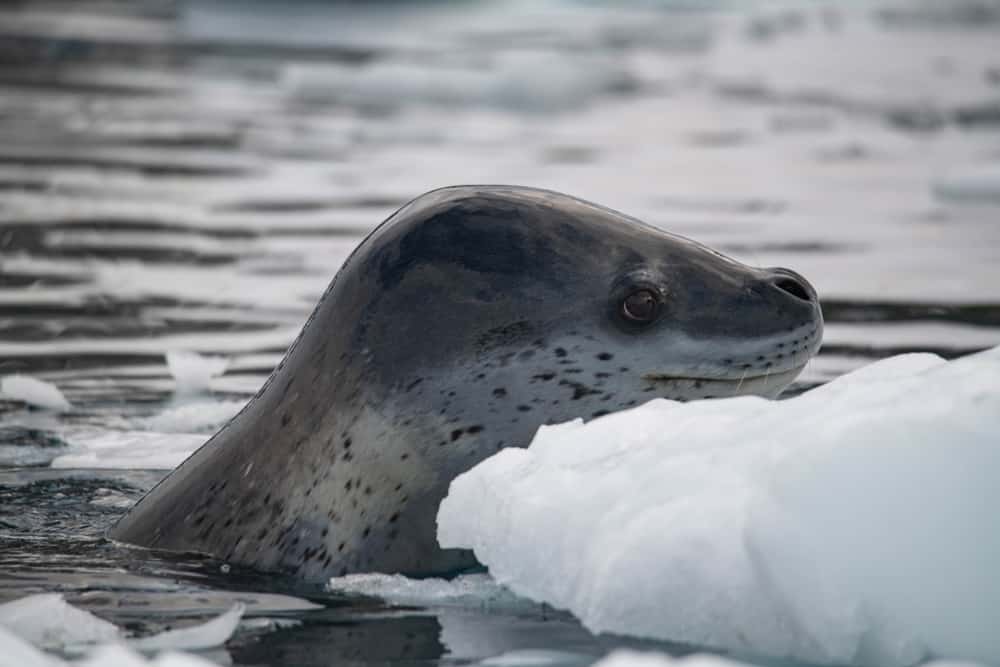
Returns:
(463, 322)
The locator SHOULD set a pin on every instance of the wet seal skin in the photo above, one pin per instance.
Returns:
(470, 317)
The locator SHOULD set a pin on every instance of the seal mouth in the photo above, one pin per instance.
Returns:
(665, 377)
(752, 379)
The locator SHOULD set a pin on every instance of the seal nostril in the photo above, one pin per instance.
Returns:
(793, 287)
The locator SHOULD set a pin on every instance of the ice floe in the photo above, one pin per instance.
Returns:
(853, 524)
(47, 621)
(33, 391)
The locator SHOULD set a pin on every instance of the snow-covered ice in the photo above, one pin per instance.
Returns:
(33, 391)
(47, 621)
(854, 524)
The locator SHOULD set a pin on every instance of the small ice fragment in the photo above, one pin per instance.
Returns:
(34, 392)
(196, 637)
(16, 652)
(629, 658)
(193, 417)
(193, 372)
(537, 658)
(136, 450)
(48, 620)
(469, 590)
(117, 655)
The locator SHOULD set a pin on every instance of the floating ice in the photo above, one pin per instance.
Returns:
(470, 590)
(48, 621)
(854, 524)
(116, 655)
(191, 417)
(33, 392)
(192, 371)
(627, 658)
(136, 450)
(15, 652)
(537, 658)
(211, 633)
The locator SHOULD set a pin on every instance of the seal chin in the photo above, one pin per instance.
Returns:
(687, 387)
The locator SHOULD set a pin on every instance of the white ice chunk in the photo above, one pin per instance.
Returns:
(33, 392)
(209, 634)
(192, 371)
(16, 652)
(628, 658)
(854, 524)
(536, 658)
(48, 620)
(469, 590)
(117, 655)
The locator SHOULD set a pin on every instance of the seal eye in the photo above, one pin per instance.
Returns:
(640, 306)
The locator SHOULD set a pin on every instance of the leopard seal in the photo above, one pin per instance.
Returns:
(467, 319)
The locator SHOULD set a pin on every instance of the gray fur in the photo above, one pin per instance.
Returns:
(470, 317)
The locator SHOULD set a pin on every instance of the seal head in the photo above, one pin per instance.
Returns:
(467, 319)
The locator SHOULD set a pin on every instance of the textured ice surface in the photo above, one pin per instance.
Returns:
(627, 658)
(48, 621)
(854, 524)
(470, 590)
(34, 392)
(211, 633)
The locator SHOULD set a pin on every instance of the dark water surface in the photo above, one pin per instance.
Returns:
(190, 175)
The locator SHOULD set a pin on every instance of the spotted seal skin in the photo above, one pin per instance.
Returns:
(467, 319)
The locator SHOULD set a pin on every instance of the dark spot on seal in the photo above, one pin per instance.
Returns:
(456, 434)
(545, 377)
(560, 352)
(499, 392)
(605, 356)
(579, 389)
(286, 419)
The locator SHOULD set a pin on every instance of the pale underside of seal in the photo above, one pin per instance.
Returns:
(470, 317)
